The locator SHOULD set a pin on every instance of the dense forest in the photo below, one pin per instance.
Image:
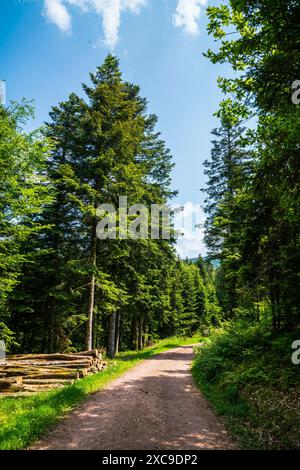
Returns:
(253, 175)
(63, 289)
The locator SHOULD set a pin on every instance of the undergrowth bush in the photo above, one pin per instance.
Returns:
(245, 370)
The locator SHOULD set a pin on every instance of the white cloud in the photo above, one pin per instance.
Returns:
(58, 14)
(187, 15)
(109, 10)
(189, 221)
(190, 248)
(111, 13)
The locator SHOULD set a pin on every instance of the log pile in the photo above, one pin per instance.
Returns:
(22, 375)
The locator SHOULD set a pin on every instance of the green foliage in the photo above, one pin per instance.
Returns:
(252, 227)
(247, 373)
(24, 193)
(253, 187)
(7, 336)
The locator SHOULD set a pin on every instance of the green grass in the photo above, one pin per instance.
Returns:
(248, 376)
(23, 420)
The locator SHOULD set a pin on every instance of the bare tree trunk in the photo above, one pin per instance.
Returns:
(135, 335)
(96, 333)
(140, 335)
(111, 345)
(91, 302)
(146, 336)
(118, 321)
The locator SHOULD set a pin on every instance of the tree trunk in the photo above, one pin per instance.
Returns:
(111, 346)
(146, 336)
(118, 321)
(135, 334)
(140, 336)
(91, 302)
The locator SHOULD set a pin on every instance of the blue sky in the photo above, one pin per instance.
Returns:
(48, 48)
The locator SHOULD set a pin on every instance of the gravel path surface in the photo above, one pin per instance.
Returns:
(155, 405)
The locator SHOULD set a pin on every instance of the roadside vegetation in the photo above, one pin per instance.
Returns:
(246, 372)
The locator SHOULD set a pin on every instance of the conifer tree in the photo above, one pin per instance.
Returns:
(23, 194)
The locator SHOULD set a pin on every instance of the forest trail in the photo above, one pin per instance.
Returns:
(153, 406)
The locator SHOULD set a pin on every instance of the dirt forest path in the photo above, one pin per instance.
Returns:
(154, 406)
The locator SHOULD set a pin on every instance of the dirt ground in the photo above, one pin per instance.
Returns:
(154, 406)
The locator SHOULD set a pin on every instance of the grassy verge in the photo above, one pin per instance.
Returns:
(25, 419)
(248, 376)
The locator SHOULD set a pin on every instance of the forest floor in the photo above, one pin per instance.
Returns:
(155, 405)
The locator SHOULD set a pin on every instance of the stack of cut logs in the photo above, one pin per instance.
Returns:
(22, 375)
